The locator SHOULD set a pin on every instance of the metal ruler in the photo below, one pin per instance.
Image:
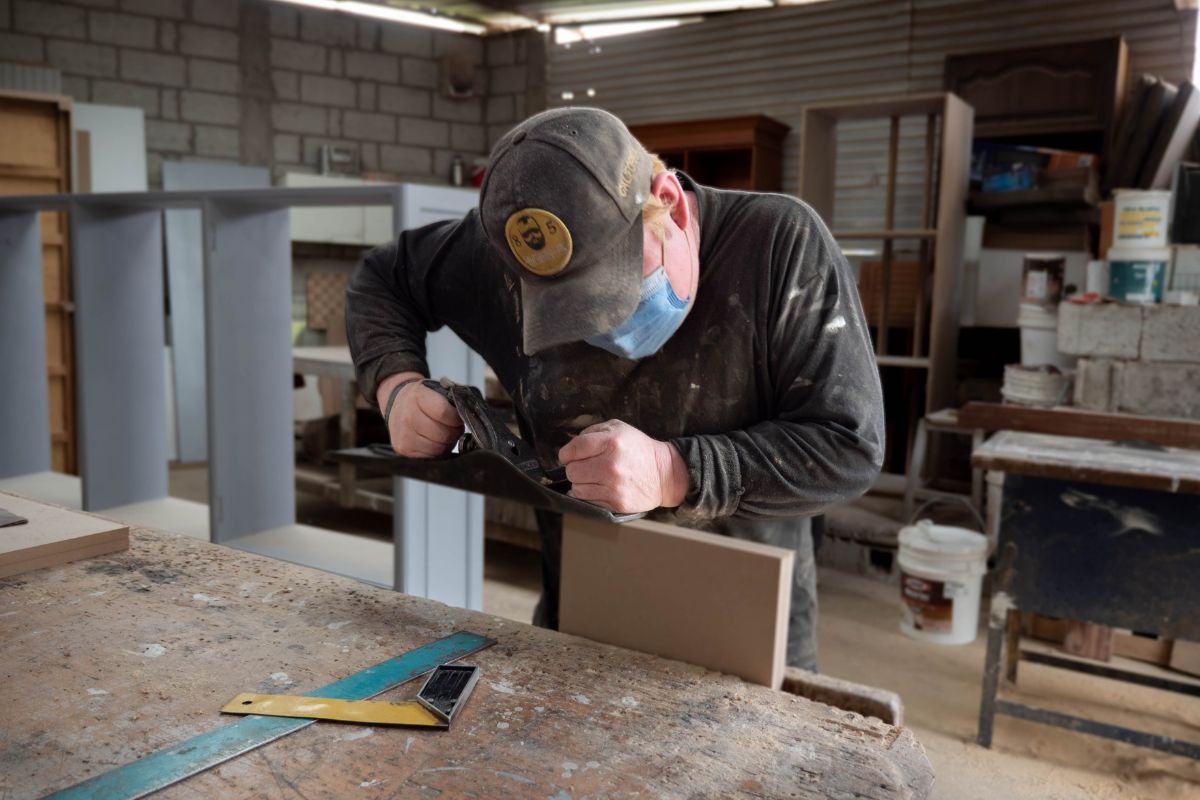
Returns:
(173, 764)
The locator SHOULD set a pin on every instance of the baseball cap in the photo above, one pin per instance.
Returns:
(562, 204)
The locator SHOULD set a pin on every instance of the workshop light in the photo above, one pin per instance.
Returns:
(619, 11)
(391, 14)
(569, 34)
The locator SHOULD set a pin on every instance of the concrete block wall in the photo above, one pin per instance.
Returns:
(266, 84)
(1136, 359)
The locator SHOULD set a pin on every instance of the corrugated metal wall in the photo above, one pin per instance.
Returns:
(776, 61)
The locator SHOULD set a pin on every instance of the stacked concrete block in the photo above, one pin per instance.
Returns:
(1134, 359)
(244, 81)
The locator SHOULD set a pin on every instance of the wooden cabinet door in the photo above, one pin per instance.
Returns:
(35, 152)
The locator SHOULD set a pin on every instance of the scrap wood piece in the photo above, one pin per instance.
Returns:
(710, 600)
(54, 536)
(1168, 432)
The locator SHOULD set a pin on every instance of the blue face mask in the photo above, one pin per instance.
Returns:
(658, 315)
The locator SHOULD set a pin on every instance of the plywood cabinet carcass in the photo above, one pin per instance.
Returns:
(35, 133)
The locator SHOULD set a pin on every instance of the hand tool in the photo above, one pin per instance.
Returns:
(170, 765)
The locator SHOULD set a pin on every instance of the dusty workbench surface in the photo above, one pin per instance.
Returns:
(104, 661)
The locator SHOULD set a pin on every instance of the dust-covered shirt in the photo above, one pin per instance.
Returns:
(769, 388)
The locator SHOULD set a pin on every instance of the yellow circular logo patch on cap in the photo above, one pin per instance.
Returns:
(539, 240)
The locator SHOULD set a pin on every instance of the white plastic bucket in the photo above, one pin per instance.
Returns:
(1140, 218)
(1039, 337)
(941, 579)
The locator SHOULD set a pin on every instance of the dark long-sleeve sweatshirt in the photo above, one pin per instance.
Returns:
(769, 388)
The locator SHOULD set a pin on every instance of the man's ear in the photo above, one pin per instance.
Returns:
(667, 188)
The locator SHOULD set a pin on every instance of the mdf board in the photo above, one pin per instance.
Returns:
(710, 600)
(35, 135)
(53, 536)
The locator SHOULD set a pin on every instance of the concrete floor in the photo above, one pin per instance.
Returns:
(859, 641)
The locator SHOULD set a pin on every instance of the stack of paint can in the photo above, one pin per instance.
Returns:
(1139, 256)
(1042, 282)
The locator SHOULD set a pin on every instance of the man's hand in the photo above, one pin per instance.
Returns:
(617, 467)
(423, 424)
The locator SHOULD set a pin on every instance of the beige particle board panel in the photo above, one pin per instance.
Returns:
(706, 599)
(54, 536)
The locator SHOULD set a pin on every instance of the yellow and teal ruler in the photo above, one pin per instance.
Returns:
(158, 770)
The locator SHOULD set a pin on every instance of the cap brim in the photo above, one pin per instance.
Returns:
(587, 299)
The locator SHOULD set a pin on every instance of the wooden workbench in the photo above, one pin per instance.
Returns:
(106, 660)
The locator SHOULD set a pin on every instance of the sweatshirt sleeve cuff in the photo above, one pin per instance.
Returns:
(714, 476)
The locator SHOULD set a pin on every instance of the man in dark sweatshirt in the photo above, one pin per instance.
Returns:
(692, 352)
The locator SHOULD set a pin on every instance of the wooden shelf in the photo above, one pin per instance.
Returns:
(897, 233)
(743, 153)
(910, 362)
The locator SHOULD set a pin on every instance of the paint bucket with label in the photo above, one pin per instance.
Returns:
(1042, 278)
(1140, 218)
(1137, 275)
(941, 579)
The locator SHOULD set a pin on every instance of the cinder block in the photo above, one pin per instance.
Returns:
(170, 104)
(222, 13)
(368, 34)
(153, 68)
(335, 62)
(126, 29)
(168, 36)
(217, 141)
(293, 118)
(79, 88)
(126, 94)
(285, 21)
(406, 160)
(22, 48)
(338, 30)
(455, 44)
(219, 109)
(335, 122)
(500, 109)
(50, 19)
(1171, 333)
(508, 80)
(1094, 384)
(1159, 389)
(367, 96)
(469, 138)
(1110, 329)
(405, 101)
(375, 66)
(214, 76)
(172, 137)
(467, 110)
(297, 56)
(195, 40)
(419, 72)
(501, 50)
(287, 84)
(170, 9)
(79, 58)
(287, 148)
(406, 40)
(372, 127)
(323, 91)
(414, 131)
(369, 155)
(494, 132)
